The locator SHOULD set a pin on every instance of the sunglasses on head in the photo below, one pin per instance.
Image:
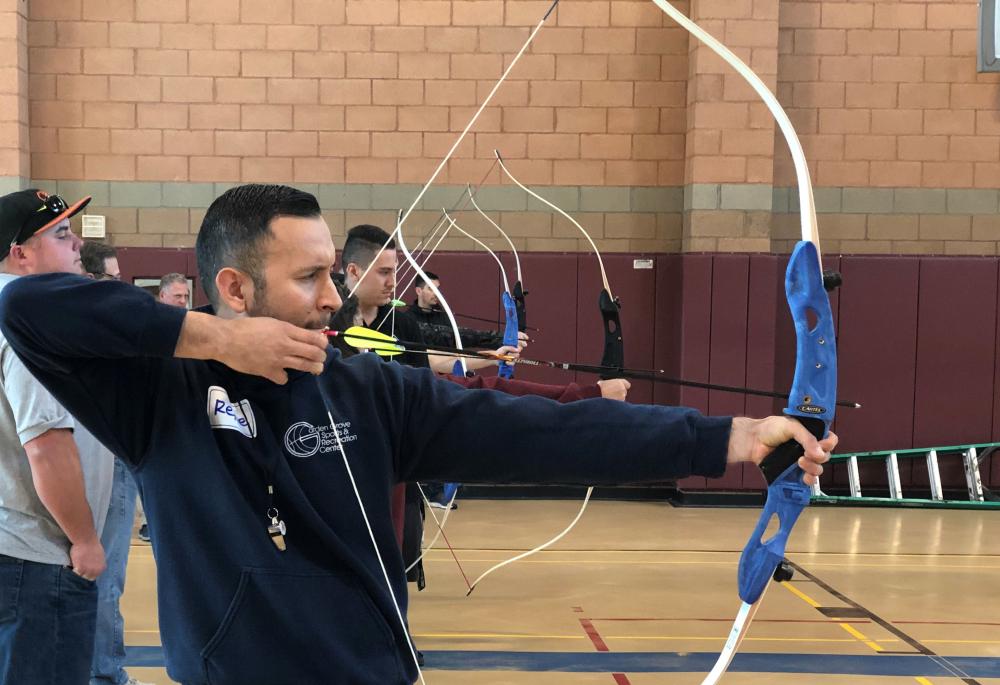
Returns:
(51, 203)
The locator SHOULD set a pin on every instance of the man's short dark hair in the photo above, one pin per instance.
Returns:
(419, 282)
(237, 223)
(362, 244)
(93, 253)
(173, 277)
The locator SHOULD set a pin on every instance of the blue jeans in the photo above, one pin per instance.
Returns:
(109, 642)
(47, 617)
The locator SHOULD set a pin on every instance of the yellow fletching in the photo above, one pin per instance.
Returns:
(366, 339)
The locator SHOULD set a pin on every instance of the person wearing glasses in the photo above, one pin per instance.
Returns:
(100, 262)
(55, 479)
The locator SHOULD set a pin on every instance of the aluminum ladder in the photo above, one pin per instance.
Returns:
(978, 496)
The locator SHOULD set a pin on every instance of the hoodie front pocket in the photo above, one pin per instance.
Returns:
(286, 628)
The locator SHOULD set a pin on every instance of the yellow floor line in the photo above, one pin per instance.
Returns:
(801, 595)
(851, 630)
(924, 681)
(447, 558)
(708, 638)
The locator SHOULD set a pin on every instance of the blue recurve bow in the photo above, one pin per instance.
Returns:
(814, 388)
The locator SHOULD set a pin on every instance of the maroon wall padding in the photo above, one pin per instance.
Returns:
(996, 379)
(667, 326)
(551, 282)
(727, 362)
(956, 351)
(152, 262)
(635, 288)
(695, 337)
(876, 338)
(766, 305)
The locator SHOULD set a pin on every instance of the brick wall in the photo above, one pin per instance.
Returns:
(895, 121)
(156, 105)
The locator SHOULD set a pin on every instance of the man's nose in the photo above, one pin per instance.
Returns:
(330, 299)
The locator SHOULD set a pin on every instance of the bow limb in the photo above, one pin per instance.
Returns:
(460, 368)
(504, 370)
(608, 304)
(613, 357)
(517, 293)
(480, 243)
(814, 388)
(517, 257)
(525, 555)
(559, 210)
(807, 206)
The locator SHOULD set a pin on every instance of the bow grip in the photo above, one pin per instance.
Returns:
(614, 350)
(510, 329)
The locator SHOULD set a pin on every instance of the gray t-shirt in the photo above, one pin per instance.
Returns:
(27, 410)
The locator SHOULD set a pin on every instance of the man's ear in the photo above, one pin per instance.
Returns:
(353, 272)
(17, 254)
(90, 275)
(235, 289)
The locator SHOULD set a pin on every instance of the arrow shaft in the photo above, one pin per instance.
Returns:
(653, 375)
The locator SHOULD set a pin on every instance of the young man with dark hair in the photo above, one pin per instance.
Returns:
(434, 322)
(100, 262)
(55, 478)
(266, 573)
(369, 263)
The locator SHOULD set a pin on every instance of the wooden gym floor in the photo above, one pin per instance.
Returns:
(643, 593)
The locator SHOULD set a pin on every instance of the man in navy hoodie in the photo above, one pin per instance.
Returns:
(250, 438)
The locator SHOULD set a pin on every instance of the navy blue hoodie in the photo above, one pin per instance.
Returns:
(202, 438)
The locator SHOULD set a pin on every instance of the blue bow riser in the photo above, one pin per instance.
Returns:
(509, 333)
(812, 401)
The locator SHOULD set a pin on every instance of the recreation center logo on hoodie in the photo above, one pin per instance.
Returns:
(304, 440)
(222, 413)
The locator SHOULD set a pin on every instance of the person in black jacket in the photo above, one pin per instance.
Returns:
(436, 326)
(252, 440)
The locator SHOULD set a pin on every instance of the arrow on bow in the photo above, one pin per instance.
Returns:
(388, 346)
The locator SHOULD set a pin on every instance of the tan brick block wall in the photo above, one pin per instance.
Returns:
(14, 93)
(884, 95)
(114, 76)
(915, 113)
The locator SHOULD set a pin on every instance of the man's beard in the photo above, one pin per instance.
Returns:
(260, 307)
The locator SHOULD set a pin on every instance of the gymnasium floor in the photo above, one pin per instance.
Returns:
(643, 593)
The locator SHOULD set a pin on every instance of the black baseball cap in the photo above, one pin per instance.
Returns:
(29, 212)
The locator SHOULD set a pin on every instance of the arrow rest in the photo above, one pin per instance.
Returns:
(832, 280)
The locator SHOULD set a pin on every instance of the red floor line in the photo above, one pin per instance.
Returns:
(758, 620)
(594, 636)
(601, 646)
